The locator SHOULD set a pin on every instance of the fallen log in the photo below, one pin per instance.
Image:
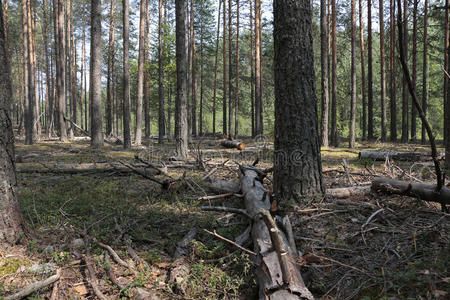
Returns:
(347, 192)
(277, 273)
(232, 145)
(34, 287)
(180, 267)
(87, 171)
(408, 156)
(423, 191)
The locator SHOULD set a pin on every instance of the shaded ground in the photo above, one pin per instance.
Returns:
(403, 251)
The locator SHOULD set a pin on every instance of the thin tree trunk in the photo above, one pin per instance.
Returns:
(73, 75)
(61, 69)
(252, 71)
(48, 99)
(353, 75)
(140, 84)
(392, 85)
(236, 103)
(110, 62)
(34, 71)
(425, 69)
(201, 74)
(334, 133)
(447, 90)
(215, 70)
(10, 216)
(95, 80)
(324, 71)
(258, 71)
(194, 122)
(370, 129)
(161, 126)
(230, 69)
(405, 100)
(363, 73)
(147, 73)
(126, 77)
(382, 75)
(224, 52)
(28, 103)
(68, 61)
(414, 72)
(181, 130)
(6, 27)
(85, 79)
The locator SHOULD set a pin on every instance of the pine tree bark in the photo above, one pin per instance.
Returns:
(61, 68)
(110, 63)
(10, 216)
(126, 77)
(85, 79)
(230, 69)
(252, 72)
(334, 132)
(392, 85)
(353, 76)
(161, 128)
(324, 71)
(68, 60)
(215, 72)
(236, 95)
(297, 164)
(447, 89)
(147, 74)
(34, 71)
(425, 70)
(200, 118)
(73, 73)
(382, 75)
(48, 97)
(26, 117)
(414, 72)
(363, 73)
(224, 69)
(95, 79)
(258, 71)
(405, 98)
(181, 128)
(370, 129)
(140, 84)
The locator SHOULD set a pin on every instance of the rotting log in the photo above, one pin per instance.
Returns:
(232, 145)
(422, 191)
(180, 267)
(225, 186)
(408, 156)
(274, 281)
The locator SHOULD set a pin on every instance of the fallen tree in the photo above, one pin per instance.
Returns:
(422, 191)
(347, 192)
(233, 145)
(408, 156)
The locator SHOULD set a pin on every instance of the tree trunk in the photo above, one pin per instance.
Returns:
(201, 75)
(140, 83)
(26, 72)
(110, 62)
(95, 79)
(334, 132)
(181, 130)
(297, 163)
(363, 73)
(161, 129)
(447, 91)
(414, 72)
(147, 74)
(60, 68)
(33, 69)
(324, 71)
(10, 216)
(126, 77)
(215, 71)
(392, 87)
(194, 120)
(236, 101)
(353, 75)
(425, 69)
(68, 60)
(224, 56)
(405, 100)
(230, 69)
(73, 74)
(370, 129)
(258, 71)
(48, 98)
(382, 75)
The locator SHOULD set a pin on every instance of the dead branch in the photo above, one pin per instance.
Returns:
(226, 209)
(233, 145)
(164, 183)
(34, 287)
(113, 253)
(230, 241)
(348, 192)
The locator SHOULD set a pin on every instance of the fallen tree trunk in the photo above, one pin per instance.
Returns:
(423, 191)
(233, 144)
(277, 272)
(347, 192)
(87, 171)
(409, 156)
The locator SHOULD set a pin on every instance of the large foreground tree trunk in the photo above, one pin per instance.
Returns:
(297, 167)
(60, 67)
(181, 128)
(140, 84)
(10, 217)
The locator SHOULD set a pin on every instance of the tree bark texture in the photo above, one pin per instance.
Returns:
(140, 85)
(370, 129)
(382, 75)
(425, 70)
(353, 80)
(161, 128)
(324, 71)
(109, 85)
(392, 85)
(258, 71)
(61, 68)
(126, 77)
(363, 73)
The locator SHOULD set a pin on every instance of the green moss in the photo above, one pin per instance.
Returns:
(10, 265)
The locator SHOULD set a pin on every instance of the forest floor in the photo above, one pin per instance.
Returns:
(349, 252)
